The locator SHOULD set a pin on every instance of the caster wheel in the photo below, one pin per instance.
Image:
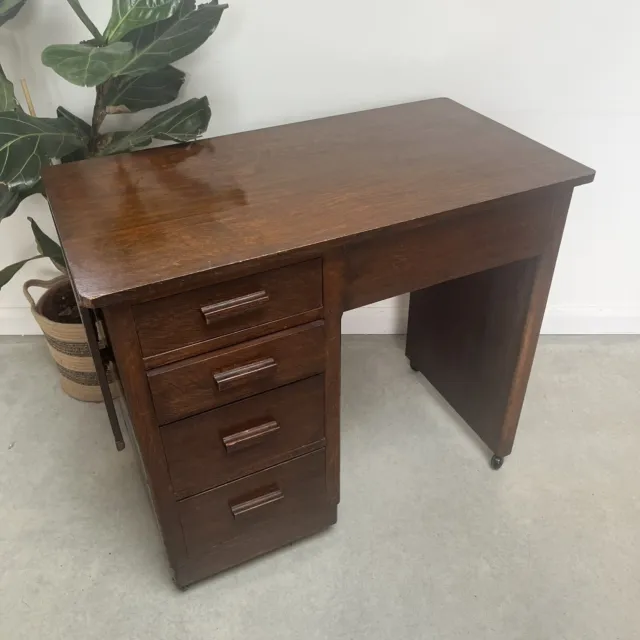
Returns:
(413, 366)
(181, 587)
(496, 462)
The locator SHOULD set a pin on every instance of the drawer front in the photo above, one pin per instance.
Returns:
(224, 444)
(205, 382)
(205, 314)
(274, 500)
(495, 234)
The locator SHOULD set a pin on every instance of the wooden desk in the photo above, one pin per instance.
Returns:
(220, 272)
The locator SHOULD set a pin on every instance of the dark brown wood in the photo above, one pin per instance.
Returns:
(204, 451)
(207, 314)
(89, 321)
(334, 286)
(245, 548)
(474, 337)
(244, 374)
(168, 220)
(152, 362)
(245, 506)
(209, 520)
(250, 436)
(533, 322)
(224, 268)
(235, 306)
(509, 230)
(148, 443)
(188, 387)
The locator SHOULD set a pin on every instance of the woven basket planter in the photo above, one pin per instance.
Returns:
(68, 346)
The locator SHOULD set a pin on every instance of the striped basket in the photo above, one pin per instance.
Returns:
(69, 347)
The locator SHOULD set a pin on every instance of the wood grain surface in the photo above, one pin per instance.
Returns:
(190, 386)
(498, 233)
(224, 268)
(474, 337)
(163, 220)
(201, 450)
(209, 519)
(207, 314)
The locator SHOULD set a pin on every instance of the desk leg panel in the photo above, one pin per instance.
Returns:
(333, 301)
(474, 338)
(126, 347)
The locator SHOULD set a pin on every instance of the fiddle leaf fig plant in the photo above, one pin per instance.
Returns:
(87, 65)
(130, 66)
(9, 9)
(27, 143)
(7, 95)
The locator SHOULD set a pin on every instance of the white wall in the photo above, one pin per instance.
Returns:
(564, 73)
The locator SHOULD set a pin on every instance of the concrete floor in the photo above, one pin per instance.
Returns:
(430, 543)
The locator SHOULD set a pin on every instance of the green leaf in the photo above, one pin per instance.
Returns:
(128, 94)
(84, 65)
(161, 44)
(7, 95)
(81, 128)
(8, 272)
(27, 143)
(9, 9)
(10, 199)
(127, 15)
(182, 123)
(47, 247)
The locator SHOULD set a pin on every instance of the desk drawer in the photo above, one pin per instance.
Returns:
(224, 444)
(492, 235)
(272, 502)
(198, 384)
(212, 312)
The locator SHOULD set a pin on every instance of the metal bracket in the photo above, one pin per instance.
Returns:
(102, 358)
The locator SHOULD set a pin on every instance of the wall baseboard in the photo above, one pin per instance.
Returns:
(376, 319)
(558, 321)
(16, 321)
(591, 321)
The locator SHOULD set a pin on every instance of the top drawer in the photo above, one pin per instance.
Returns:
(205, 314)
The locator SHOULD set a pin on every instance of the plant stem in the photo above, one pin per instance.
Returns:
(99, 114)
(79, 11)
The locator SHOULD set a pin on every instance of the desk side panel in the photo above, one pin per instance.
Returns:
(333, 298)
(474, 338)
(128, 356)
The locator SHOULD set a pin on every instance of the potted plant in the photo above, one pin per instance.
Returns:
(130, 66)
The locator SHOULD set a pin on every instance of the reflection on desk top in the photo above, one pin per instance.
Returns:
(135, 220)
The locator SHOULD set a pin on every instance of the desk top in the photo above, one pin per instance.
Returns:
(129, 222)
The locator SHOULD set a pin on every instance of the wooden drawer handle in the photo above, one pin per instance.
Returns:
(249, 437)
(272, 494)
(238, 376)
(234, 306)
